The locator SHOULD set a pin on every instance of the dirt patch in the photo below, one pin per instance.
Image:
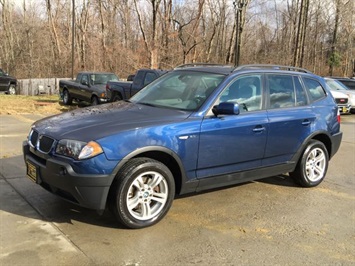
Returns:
(44, 104)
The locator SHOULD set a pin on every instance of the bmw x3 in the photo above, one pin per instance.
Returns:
(198, 127)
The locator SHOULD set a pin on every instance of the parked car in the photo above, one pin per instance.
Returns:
(195, 128)
(88, 86)
(7, 83)
(122, 90)
(336, 87)
(348, 82)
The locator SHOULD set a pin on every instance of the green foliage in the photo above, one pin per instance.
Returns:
(334, 59)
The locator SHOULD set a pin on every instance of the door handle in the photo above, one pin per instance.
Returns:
(306, 122)
(259, 129)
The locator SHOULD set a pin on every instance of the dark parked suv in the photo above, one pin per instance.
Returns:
(7, 83)
(195, 128)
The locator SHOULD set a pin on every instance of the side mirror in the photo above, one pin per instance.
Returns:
(226, 108)
(85, 82)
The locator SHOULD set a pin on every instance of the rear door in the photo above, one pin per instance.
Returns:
(290, 117)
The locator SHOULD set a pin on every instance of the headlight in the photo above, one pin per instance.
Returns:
(78, 149)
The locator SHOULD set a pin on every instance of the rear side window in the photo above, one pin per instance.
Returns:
(314, 88)
(285, 91)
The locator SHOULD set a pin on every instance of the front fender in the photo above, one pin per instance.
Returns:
(184, 183)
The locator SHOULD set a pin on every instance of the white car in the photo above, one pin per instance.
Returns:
(344, 97)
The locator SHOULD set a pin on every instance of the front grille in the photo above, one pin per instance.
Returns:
(40, 142)
(341, 100)
(45, 144)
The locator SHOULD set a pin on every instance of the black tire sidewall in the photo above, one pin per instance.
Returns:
(94, 100)
(68, 100)
(117, 98)
(127, 176)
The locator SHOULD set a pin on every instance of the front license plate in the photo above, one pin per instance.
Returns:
(31, 171)
(344, 109)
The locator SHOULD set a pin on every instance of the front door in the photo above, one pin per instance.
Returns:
(233, 143)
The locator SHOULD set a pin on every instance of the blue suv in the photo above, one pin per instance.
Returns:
(197, 127)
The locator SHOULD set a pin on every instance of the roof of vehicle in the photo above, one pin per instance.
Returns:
(207, 67)
(227, 69)
(95, 72)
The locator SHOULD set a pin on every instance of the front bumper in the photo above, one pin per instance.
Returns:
(59, 178)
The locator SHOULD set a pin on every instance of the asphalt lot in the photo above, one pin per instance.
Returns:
(269, 222)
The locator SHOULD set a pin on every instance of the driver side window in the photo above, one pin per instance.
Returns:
(245, 91)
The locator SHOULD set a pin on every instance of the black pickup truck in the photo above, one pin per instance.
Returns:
(122, 90)
(7, 83)
(88, 87)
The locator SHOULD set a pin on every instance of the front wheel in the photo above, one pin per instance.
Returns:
(313, 165)
(143, 193)
(94, 100)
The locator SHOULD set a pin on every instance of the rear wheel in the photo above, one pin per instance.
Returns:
(143, 193)
(313, 165)
(117, 97)
(12, 89)
(67, 100)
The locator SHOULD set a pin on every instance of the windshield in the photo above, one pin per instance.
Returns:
(179, 90)
(335, 85)
(97, 79)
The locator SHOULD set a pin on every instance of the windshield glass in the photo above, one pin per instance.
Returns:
(335, 85)
(179, 90)
(97, 79)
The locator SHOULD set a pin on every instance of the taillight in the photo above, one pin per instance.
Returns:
(338, 116)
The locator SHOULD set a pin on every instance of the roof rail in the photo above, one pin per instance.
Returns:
(203, 65)
(289, 68)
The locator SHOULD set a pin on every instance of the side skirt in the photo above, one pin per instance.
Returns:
(245, 176)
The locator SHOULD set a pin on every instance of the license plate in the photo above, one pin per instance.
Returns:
(344, 109)
(31, 171)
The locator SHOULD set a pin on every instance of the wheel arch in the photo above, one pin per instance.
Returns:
(163, 155)
(325, 139)
(321, 136)
(116, 93)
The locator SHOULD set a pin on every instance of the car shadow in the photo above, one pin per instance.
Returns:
(283, 180)
(54, 209)
(19, 194)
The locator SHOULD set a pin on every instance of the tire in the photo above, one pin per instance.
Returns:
(312, 166)
(142, 193)
(12, 89)
(117, 97)
(94, 100)
(67, 99)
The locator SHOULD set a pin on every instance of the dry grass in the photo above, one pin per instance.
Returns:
(20, 104)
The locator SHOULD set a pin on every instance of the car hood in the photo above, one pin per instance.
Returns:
(93, 123)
